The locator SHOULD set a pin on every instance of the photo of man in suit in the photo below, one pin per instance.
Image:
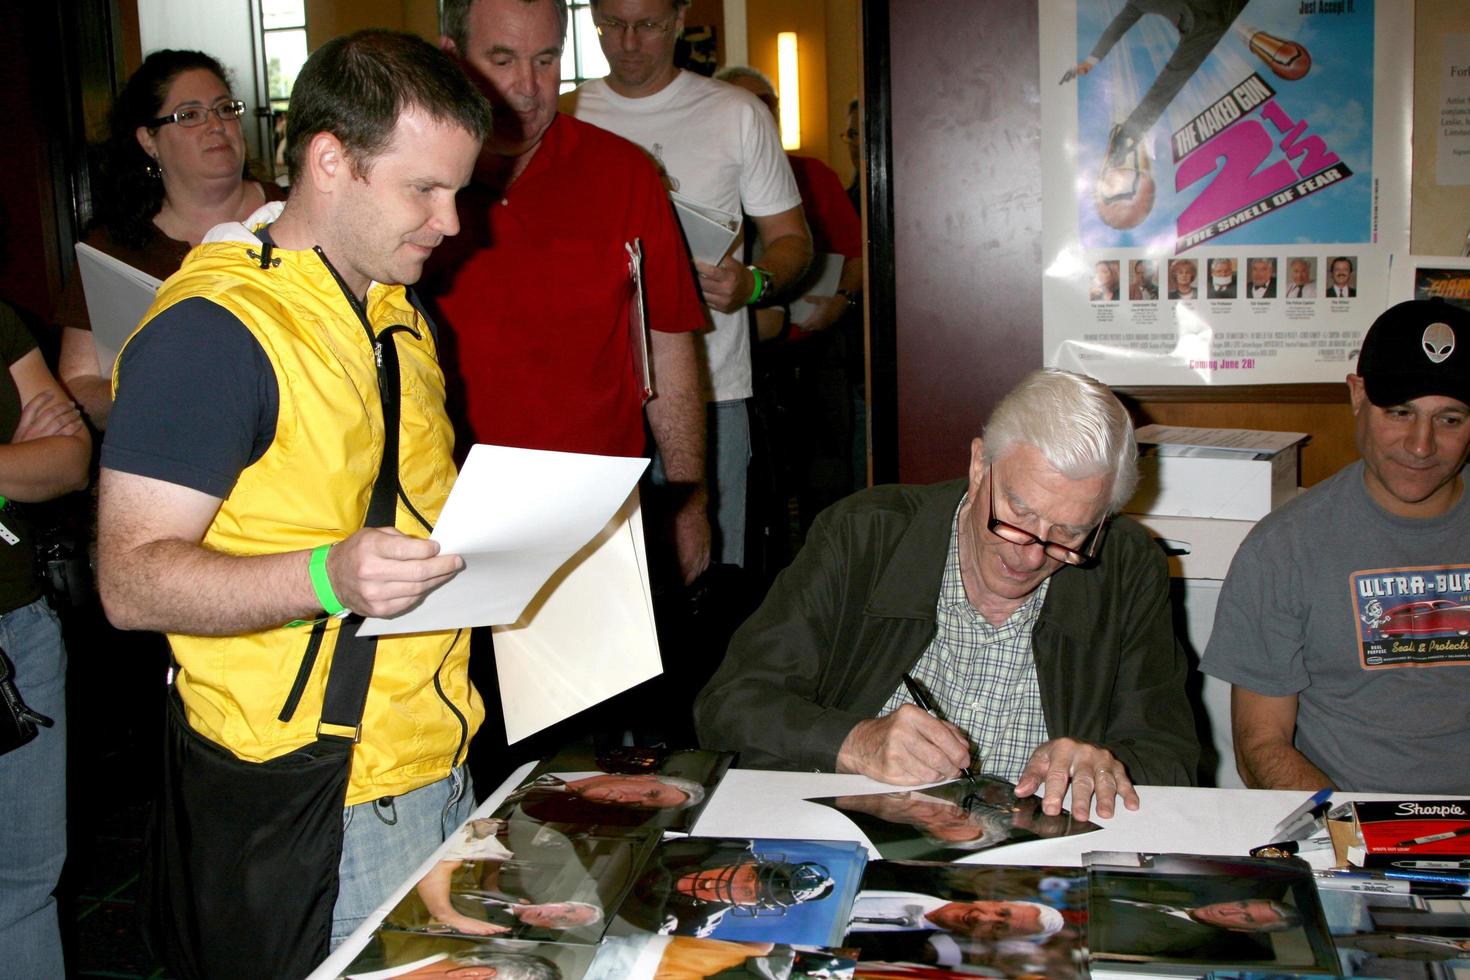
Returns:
(1143, 282)
(1302, 282)
(1224, 931)
(1262, 283)
(1342, 272)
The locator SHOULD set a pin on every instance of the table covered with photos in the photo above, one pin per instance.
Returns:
(659, 864)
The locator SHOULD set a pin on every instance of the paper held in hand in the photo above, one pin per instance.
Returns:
(710, 231)
(818, 285)
(554, 558)
(117, 297)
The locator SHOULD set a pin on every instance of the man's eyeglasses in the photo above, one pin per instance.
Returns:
(1084, 555)
(198, 115)
(850, 136)
(641, 29)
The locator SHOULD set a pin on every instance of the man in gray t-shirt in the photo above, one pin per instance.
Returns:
(1344, 624)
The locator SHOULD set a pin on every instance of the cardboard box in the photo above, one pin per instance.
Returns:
(1197, 547)
(1228, 474)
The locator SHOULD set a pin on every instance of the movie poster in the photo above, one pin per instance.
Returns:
(1225, 184)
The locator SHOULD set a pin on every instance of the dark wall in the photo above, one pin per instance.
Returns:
(58, 65)
(966, 177)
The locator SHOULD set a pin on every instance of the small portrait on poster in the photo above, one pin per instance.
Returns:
(1143, 279)
(1183, 279)
(1450, 285)
(1342, 276)
(1260, 278)
(1104, 282)
(1301, 277)
(1222, 283)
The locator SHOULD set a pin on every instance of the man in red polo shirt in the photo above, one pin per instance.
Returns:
(534, 298)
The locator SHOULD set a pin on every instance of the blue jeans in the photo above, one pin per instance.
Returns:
(33, 799)
(383, 844)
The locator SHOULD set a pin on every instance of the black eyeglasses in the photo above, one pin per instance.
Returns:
(198, 115)
(1085, 555)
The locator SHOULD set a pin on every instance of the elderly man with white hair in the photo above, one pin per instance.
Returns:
(1039, 625)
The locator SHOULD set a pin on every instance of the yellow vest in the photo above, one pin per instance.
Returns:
(312, 487)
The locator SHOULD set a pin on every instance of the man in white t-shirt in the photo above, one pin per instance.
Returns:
(718, 145)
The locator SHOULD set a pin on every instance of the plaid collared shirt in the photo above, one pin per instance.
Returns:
(982, 677)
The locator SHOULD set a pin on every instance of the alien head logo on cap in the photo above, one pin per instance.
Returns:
(1416, 349)
(1439, 342)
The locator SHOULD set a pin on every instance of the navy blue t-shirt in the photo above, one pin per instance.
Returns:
(196, 403)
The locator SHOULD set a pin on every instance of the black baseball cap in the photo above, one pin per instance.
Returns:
(1417, 348)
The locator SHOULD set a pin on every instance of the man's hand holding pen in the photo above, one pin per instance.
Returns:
(906, 748)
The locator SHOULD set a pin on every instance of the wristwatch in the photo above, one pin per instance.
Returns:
(762, 286)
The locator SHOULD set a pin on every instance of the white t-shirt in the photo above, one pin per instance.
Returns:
(718, 145)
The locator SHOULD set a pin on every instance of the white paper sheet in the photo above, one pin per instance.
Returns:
(1249, 442)
(708, 230)
(819, 283)
(515, 516)
(117, 297)
(587, 635)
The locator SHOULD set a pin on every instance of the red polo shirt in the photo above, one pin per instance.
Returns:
(532, 297)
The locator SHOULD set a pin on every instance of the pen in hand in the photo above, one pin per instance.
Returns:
(922, 700)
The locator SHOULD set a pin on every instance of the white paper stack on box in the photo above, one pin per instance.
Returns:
(1231, 474)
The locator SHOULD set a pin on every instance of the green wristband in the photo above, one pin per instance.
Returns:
(323, 585)
(760, 285)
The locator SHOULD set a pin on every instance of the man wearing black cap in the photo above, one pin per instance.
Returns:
(1342, 624)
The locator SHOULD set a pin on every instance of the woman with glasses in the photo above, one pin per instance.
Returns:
(173, 167)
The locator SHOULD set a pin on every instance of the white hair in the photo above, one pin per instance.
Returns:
(1048, 918)
(994, 828)
(1076, 423)
(745, 71)
(690, 788)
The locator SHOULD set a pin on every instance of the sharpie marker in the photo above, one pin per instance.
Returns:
(1388, 883)
(1434, 837)
(1316, 800)
(1353, 881)
(1434, 865)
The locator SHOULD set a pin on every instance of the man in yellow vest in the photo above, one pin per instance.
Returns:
(252, 423)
